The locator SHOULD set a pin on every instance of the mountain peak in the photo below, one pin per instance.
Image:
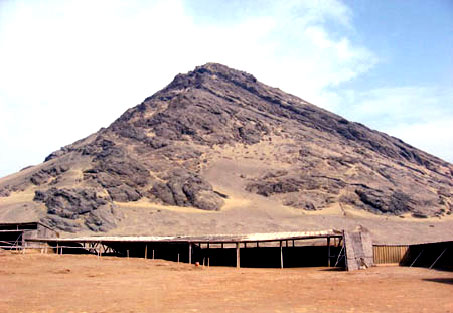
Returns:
(211, 72)
(215, 137)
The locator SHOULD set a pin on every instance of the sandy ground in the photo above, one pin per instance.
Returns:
(52, 283)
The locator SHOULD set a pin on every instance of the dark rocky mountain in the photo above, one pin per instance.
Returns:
(217, 136)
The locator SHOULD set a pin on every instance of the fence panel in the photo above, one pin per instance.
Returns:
(383, 254)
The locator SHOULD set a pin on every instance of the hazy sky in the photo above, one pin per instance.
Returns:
(68, 68)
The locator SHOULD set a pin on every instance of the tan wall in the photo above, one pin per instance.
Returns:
(44, 232)
(389, 254)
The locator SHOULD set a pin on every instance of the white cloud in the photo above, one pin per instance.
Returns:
(71, 67)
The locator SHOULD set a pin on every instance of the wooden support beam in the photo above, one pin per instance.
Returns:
(328, 251)
(281, 254)
(190, 253)
(238, 255)
(257, 244)
(146, 251)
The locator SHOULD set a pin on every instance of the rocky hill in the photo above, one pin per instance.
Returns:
(216, 139)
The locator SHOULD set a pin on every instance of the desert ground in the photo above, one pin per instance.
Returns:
(70, 283)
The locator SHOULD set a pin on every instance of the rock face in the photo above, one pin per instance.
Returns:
(71, 209)
(304, 157)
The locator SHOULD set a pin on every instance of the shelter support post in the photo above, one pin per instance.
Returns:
(238, 255)
(190, 253)
(281, 254)
(328, 251)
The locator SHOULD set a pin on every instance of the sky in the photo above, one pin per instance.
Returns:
(68, 68)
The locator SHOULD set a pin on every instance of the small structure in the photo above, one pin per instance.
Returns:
(359, 249)
(17, 235)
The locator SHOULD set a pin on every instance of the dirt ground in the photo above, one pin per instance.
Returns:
(69, 283)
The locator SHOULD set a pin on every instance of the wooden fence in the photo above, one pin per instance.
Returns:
(384, 254)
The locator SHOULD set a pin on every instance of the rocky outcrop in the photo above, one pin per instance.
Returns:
(396, 202)
(43, 175)
(72, 209)
(187, 189)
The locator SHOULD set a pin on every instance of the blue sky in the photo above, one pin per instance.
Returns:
(69, 68)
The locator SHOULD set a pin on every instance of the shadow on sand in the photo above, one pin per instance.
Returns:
(440, 280)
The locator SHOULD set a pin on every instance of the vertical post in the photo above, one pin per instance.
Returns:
(281, 254)
(178, 258)
(146, 251)
(58, 252)
(257, 244)
(190, 253)
(238, 255)
(153, 254)
(328, 251)
(207, 254)
(293, 243)
(128, 253)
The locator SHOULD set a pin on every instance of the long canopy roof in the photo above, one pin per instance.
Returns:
(212, 238)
